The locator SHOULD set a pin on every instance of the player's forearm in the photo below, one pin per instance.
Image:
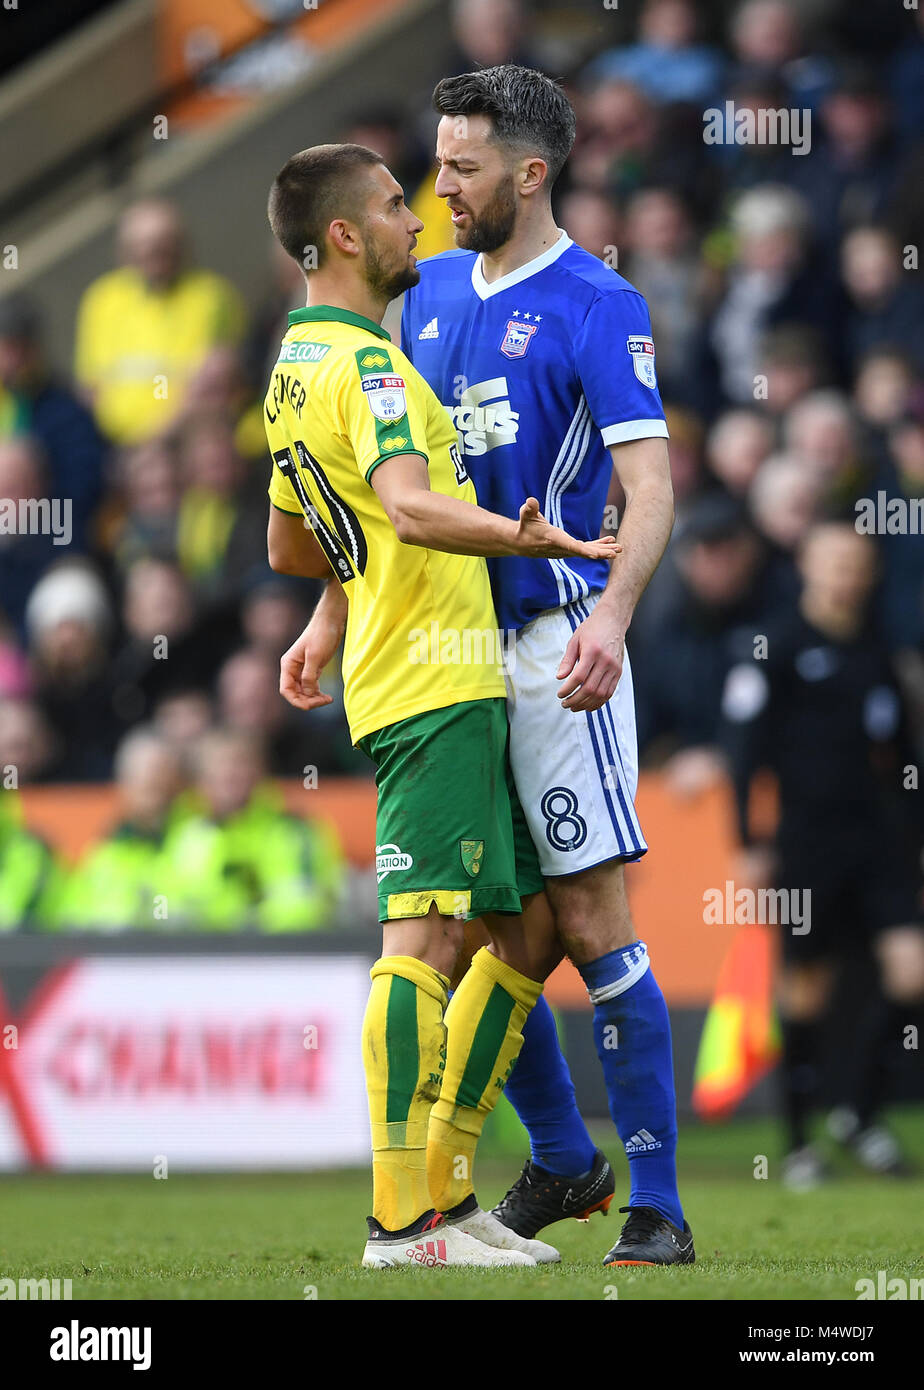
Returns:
(331, 610)
(438, 522)
(643, 534)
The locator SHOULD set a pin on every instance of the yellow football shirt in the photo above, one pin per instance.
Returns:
(421, 629)
(138, 348)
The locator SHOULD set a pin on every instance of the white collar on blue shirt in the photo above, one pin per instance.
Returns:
(484, 290)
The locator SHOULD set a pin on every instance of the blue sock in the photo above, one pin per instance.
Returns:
(633, 1036)
(541, 1091)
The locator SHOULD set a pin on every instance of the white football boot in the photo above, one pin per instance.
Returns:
(433, 1243)
(485, 1226)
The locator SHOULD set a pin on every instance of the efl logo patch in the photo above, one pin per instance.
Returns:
(643, 360)
(385, 397)
(517, 338)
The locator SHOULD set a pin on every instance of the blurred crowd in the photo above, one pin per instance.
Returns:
(203, 842)
(141, 642)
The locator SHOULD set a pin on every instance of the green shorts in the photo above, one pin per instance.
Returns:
(450, 830)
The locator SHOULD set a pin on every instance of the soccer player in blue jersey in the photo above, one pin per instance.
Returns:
(544, 358)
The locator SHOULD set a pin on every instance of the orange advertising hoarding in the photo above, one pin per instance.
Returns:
(691, 852)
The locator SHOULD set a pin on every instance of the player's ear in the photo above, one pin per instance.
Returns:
(344, 236)
(532, 175)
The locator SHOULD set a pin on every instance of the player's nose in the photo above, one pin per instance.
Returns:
(445, 185)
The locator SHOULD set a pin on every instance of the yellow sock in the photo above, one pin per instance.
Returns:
(484, 1024)
(404, 1052)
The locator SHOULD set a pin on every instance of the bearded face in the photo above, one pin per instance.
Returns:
(491, 226)
(389, 271)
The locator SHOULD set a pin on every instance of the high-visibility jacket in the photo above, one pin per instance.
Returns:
(260, 867)
(30, 877)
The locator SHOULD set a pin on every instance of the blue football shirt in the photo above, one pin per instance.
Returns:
(540, 371)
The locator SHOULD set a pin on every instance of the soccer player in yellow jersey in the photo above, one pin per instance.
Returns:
(364, 452)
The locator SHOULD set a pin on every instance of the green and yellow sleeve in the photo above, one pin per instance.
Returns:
(381, 407)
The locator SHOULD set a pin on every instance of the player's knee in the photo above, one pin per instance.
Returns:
(592, 914)
(471, 942)
(436, 939)
(535, 961)
(586, 935)
(451, 944)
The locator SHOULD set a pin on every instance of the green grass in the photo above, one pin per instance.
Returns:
(270, 1236)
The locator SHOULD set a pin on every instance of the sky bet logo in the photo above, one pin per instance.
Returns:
(385, 397)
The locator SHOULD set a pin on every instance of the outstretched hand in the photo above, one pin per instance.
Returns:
(537, 538)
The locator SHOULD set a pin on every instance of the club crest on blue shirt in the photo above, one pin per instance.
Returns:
(385, 396)
(517, 338)
(643, 360)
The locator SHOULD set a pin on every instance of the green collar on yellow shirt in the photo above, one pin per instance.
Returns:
(330, 313)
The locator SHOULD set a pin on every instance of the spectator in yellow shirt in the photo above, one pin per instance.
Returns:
(145, 330)
(240, 860)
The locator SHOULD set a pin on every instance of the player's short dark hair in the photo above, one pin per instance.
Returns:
(313, 187)
(528, 111)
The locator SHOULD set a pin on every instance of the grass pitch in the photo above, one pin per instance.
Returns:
(295, 1236)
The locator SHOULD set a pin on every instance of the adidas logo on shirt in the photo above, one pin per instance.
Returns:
(643, 1142)
(431, 330)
